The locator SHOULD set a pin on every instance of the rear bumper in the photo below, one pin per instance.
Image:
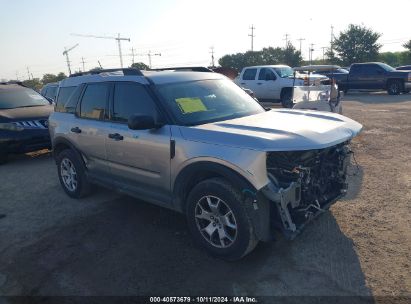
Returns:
(24, 141)
(407, 85)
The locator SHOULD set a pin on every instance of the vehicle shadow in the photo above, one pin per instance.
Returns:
(376, 97)
(133, 248)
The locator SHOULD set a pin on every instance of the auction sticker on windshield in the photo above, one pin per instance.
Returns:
(191, 105)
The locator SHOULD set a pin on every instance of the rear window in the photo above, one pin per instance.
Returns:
(63, 96)
(20, 97)
(249, 74)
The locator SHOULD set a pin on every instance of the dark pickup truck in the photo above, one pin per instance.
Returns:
(375, 76)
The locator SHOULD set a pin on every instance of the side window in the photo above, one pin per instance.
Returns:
(51, 92)
(129, 99)
(266, 74)
(64, 94)
(94, 101)
(249, 74)
(357, 69)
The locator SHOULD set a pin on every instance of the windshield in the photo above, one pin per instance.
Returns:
(20, 97)
(284, 72)
(199, 102)
(386, 67)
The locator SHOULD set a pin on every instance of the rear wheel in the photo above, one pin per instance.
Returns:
(394, 87)
(286, 98)
(71, 172)
(219, 221)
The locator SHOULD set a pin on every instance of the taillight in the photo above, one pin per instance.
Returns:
(409, 76)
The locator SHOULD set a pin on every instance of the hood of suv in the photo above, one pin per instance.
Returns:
(25, 113)
(277, 130)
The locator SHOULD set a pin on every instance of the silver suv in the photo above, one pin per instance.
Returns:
(198, 144)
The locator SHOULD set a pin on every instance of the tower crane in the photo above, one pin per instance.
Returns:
(118, 38)
(65, 53)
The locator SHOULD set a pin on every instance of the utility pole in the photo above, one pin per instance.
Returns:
(252, 28)
(82, 61)
(311, 52)
(28, 72)
(149, 57)
(65, 53)
(286, 39)
(118, 39)
(332, 41)
(17, 75)
(212, 56)
(301, 40)
(324, 48)
(132, 54)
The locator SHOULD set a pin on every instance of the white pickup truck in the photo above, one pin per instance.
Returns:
(269, 82)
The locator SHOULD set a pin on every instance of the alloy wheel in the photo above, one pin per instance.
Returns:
(68, 174)
(216, 221)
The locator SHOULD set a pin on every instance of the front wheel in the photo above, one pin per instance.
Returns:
(286, 99)
(219, 221)
(394, 87)
(72, 175)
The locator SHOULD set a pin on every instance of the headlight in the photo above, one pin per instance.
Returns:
(10, 127)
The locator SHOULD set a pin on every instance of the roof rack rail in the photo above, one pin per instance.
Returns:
(192, 69)
(126, 72)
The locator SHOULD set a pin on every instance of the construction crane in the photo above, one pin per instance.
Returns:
(149, 55)
(65, 53)
(118, 38)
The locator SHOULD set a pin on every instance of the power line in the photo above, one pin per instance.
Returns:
(252, 28)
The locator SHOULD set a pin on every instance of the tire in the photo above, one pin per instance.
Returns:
(230, 233)
(286, 99)
(394, 87)
(407, 91)
(70, 167)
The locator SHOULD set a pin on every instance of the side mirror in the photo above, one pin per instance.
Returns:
(141, 122)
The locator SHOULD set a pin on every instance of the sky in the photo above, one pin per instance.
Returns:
(33, 34)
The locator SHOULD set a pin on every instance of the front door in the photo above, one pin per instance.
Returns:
(89, 128)
(140, 159)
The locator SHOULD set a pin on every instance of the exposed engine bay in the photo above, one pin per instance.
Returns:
(306, 182)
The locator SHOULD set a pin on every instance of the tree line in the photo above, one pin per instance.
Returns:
(356, 44)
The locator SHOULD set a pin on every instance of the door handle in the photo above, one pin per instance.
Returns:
(259, 83)
(76, 130)
(243, 83)
(115, 136)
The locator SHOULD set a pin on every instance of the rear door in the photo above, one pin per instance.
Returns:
(140, 159)
(249, 80)
(89, 129)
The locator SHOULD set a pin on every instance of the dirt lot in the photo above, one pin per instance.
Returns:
(109, 244)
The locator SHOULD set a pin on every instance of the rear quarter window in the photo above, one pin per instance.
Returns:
(64, 94)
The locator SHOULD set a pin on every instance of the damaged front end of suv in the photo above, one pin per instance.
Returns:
(303, 184)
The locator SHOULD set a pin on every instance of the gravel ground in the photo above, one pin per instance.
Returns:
(108, 244)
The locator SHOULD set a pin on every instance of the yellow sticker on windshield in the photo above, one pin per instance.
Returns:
(191, 105)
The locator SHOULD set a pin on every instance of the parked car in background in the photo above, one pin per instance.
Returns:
(198, 144)
(23, 120)
(330, 71)
(404, 68)
(50, 91)
(376, 76)
(269, 82)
